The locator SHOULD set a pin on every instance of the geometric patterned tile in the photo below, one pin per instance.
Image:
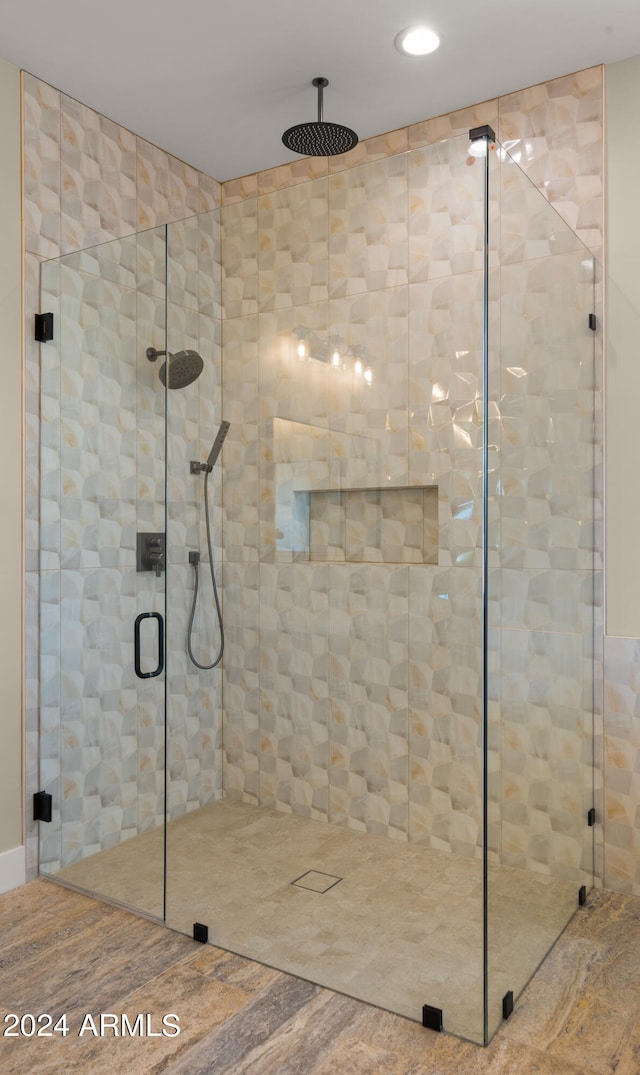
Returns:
(351, 690)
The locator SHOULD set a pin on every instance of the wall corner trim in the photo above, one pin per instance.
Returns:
(12, 869)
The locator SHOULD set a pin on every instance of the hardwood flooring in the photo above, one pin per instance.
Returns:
(65, 953)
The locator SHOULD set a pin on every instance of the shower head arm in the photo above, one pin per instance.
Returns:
(152, 354)
(320, 83)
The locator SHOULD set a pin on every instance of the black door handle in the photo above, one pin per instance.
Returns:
(136, 647)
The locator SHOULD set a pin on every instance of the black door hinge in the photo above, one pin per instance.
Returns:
(432, 1017)
(43, 331)
(42, 806)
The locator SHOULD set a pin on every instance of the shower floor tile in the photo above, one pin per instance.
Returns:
(402, 928)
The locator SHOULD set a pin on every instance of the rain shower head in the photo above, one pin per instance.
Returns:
(317, 138)
(183, 367)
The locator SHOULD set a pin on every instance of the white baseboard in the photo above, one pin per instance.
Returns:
(12, 868)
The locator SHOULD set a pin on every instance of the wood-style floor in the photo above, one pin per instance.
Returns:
(64, 953)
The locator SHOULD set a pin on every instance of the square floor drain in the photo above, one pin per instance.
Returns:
(316, 881)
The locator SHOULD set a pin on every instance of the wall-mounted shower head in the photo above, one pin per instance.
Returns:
(183, 367)
(317, 138)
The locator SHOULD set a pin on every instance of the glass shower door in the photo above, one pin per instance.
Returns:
(102, 571)
(542, 582)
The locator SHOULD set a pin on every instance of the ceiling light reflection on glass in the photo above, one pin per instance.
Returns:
(416, 41)
(311, 348)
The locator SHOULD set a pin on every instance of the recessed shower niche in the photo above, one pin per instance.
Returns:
(407, 567)
(378, 524)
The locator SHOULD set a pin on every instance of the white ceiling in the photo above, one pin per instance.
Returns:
(217, 83)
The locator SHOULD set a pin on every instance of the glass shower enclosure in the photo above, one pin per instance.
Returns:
(384, 786)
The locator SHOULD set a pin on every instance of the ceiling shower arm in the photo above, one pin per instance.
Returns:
(320, 83)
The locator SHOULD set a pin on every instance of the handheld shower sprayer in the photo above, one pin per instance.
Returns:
(216, 448)
(194, 557)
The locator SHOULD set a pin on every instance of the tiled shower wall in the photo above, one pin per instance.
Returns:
(328, 697)
(356, 694)
(360, 281)
(87, 180)
(102, 482)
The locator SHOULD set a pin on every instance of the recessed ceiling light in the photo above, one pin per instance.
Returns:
(416, 41)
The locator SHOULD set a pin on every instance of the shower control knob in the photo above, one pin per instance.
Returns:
(150, 552)
(154, 548)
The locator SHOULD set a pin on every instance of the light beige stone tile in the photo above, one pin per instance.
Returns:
(368, 230)
(235, 190)
(167, 188)
(370, 149)
(289, 175)
(239, 258)
(98, 184)
(293, 246)
(554, 131)
(453, 125)
(42, 182)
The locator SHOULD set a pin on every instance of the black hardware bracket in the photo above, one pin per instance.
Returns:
(482, 132)
(42, 806)
(432, 1018)
(591, 816)
(582, 895)
(43, 330)
(200, 932)
(592, 322)
(507, 1004)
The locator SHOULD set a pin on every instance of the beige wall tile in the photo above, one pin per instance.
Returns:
(385, 217)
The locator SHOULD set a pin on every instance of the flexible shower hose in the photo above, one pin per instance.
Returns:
(205, 667)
